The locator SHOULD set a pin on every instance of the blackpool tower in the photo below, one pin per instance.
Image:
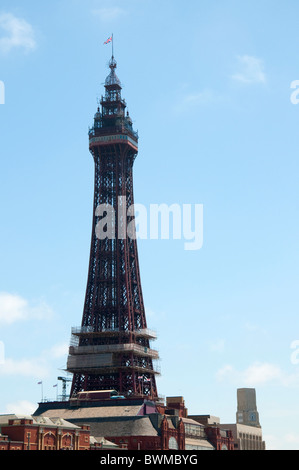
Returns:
(111, 350)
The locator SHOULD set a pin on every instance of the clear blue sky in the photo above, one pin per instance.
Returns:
(208, 87)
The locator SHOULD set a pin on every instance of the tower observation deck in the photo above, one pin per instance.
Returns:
(112, 347)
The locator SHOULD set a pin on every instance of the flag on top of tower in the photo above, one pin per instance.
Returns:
(108, 40)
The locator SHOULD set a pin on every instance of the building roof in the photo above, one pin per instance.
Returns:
(5, 418)
(57, 422)
(170, 423)
(38, 420)
(104, 442)
(94, 412)
(136, 426)
(206, 419)
(192, 421)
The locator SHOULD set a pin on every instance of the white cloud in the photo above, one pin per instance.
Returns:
(24, 367)
(251, 70)
(21, 408)
(15, 308)
(12, 308)
(17, 33)
(257, 374)
(59, 350)
(225, 372)
(108, 14)
(38, 367)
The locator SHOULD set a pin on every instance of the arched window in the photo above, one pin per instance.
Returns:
(173, 444)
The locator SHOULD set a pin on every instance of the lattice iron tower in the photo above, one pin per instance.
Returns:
(111, 349)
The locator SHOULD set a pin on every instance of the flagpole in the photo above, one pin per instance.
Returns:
(112, 46)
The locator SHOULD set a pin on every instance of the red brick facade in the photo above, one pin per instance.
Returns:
(221, 439)
(169, 438)
(26, 434)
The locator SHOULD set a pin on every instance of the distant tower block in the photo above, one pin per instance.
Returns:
(247, 411)
(111, 350)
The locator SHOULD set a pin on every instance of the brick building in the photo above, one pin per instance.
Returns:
(42, 433)
(140, 424)
(7, 444)
(222, 439)
(201, 433)
(135, 424)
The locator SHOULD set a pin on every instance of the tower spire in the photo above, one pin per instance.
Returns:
(110, 39)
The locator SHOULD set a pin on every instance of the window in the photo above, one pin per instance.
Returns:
(194, 430)
(173, 444)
